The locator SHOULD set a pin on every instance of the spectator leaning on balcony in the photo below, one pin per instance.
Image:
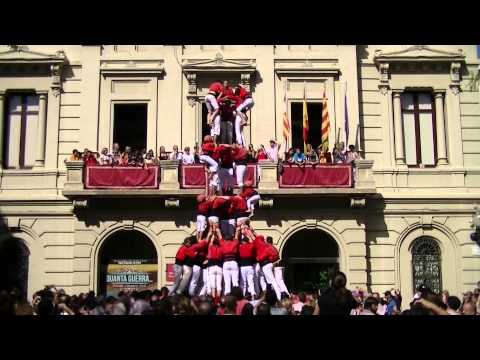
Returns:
(311, 155)
(339, 153)
(299, 157)
(351, 155)
(252, 154)
(261, 154)
(105, 157)
(175, 154)
(76, 155)
(162, 154)
(273, 150)
(89, 158)
(150, 158)
(187, 157)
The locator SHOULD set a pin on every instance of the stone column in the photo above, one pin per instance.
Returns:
(440, 121)
(268, 177)
(397, 118)
(41, 129)
(2, 126)
(169, 175)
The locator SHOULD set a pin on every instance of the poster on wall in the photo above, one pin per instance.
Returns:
(131, 275)
(170, 273)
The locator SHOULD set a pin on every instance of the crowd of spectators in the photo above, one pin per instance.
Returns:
(335, 300)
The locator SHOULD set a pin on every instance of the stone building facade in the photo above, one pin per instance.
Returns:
(408, 213)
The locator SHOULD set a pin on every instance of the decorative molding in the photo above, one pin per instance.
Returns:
(418, 52)
(56, 71)
(245, 79)
(192, 100)
(138, 67)
(219, 63)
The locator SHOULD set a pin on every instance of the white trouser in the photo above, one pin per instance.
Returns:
(187, 274)
(278, 272)
(215, 130)
(205, 283)
(211, 102)
(215, 277)
(201, 223)
(239, 138)
(196, 272)
(212, 164)
(246, 105)
(260, 283)
(247, 279)
(268, 272)
(240, 173)
(226, 178)
(230, 275)
(251, 201)
(177, 271)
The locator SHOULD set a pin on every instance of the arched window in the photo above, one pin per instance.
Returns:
(426, 264)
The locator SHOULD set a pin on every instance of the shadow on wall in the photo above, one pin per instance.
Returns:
(13, 261)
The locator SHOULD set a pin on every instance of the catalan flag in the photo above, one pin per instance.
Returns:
(286, 121)
(305, 121)
(325, 123)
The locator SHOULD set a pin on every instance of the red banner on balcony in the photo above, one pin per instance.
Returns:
(194, 177)
(107, 177)
(294, 176)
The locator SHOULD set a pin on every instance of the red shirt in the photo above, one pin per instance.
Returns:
(224, 153)
(228, 92)
(248, 192)
(203, 208)
(221, 206)
(215, 253)
(200, 249)
(262, 156)
(216, 88)
(91, 160)
(208, 148)
(238, 204)
(273, 255)
(239, 154)
(261, 250)
(246, 250)
(181, 255)
(229, 247)
(243, 93)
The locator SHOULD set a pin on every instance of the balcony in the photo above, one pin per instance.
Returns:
(172, 182)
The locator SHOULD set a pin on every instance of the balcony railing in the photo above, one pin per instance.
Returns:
(172, 178)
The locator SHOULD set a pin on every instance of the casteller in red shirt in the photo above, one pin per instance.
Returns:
(229, 249)
(204, 207)
(181, 255)
(215, 88)
(214, 254)
(246, 254)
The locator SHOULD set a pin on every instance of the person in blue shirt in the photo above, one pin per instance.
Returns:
(298, 157)
(392, 308)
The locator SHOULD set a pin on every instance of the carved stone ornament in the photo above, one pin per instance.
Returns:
(384, 78)
(192, 100)
(455, 69)
(245, 80)
(192, 83)
(18, 47)
(80, 204)
(56, 86)
(266, 203)
(218, 58)
(358, 203)
(172, 203)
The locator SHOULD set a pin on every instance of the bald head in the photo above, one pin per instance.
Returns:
(204, 308)
(469, 308)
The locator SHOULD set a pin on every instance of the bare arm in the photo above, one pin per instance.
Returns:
(431, 306)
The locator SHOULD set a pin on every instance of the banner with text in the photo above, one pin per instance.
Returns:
(131, 275)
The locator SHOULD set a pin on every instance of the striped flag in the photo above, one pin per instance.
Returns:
(325, 123)
(305, 121)
(347, 129)
(286, 121)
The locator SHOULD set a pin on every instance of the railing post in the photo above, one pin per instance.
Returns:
(268, 175)
(169, 175)
(74, 175)
(364, 178)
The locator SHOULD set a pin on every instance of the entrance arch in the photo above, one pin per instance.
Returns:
(14, 264)
(127, 260)
(310, 257)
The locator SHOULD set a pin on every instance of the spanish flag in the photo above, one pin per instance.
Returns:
(305, 121)
(325, 123)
